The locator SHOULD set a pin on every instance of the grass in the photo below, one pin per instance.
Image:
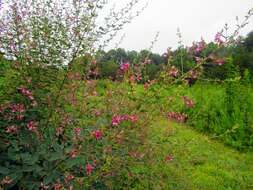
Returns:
(199, 163)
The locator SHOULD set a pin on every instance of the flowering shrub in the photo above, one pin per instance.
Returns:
(60, 127)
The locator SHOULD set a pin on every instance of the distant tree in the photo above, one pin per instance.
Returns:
(108, 69)
(248, 42)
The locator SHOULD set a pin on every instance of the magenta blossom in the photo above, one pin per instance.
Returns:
(12, 129)
(17, 108)
(73, 154)
(173, 72)
(77, 131)
(177, 117)
(125, 66)
(32, 126)
(188, 102)
(200, 46)
(116, 120)
(133, 118)
(89, 169)
(218, 38)
(69, 178)
(26, 93)
(97, 134)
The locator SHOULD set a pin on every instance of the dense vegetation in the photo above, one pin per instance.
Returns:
(73, 116)
(239, 63)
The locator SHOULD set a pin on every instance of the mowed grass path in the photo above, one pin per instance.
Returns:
(199, 163)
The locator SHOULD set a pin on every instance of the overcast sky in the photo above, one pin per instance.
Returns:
(195, 18)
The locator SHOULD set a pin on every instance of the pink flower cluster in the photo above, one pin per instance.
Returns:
(116, 120)
(73, 153)
(12, 129)
(197, 47)
(218, 38)
(77, 131)
(181, 118)
(188, 102)
(125, 66)
(200, 46)
(69, 178)
(32, 126)
(97, 134)
(135, 78)
(28, 94)
(89, 169)
(18, 108)
(173, 72)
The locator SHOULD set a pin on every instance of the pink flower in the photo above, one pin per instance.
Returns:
(124, 118)
(73, 154)
(218, 38)
(188, 102)
(133, 118)
(146, 86)
(77, 131)
(93, 61)
(31, 126)
(173, 72)
(200, 46)
(17, 108)
(116, 120)
(20, 117)
(132, 79)
(96, 113)
(12, 129)
(125, 66)
(138, 77)
(89, 169)
(26, 93)
(97, 134)
(69, 178)
(177, 117)
(168, 158)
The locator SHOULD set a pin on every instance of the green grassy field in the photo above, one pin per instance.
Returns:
(199, 163)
